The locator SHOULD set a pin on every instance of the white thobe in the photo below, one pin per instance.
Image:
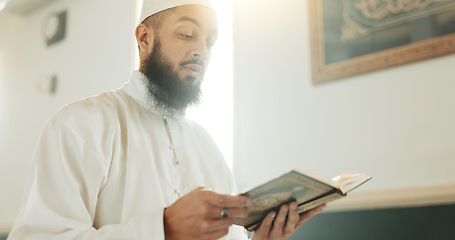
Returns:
(106, 167)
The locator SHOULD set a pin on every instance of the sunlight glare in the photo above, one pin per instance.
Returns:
(215, 113)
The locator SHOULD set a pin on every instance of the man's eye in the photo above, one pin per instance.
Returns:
(186, 36)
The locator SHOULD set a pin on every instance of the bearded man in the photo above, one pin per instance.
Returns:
(128, 165)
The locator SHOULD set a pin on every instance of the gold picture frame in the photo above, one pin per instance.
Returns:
(345, 43)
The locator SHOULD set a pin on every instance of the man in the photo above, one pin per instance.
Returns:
(127, 165)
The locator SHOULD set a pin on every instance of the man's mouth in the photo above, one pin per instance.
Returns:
(194, 70)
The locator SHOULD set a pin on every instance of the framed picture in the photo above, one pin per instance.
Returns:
(350, 37)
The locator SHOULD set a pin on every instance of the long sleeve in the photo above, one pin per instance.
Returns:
(105, 168)
(66, 178)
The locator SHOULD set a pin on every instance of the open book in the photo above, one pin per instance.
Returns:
(308, 189)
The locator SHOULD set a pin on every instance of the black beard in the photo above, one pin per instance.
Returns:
(164, 85)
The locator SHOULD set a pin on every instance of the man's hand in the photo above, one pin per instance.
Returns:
(285, 223)
(198, 215)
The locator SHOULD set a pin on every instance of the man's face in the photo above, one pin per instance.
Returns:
(181, 53)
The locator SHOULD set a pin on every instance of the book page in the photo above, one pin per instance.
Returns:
(325, 199)
(347, 182)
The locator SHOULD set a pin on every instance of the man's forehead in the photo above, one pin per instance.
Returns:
(200, 16)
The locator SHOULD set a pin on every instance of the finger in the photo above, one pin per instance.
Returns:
(215, 212)
(280, 220)
(264, 229)
(218, 224)
(221, 200)
(292, 220)
(309, 214)
(217, 234)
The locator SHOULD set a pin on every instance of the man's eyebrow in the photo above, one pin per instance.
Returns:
(194, 21)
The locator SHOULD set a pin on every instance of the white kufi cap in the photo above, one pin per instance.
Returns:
(150, 7)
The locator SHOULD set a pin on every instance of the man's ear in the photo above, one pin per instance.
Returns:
(145, 37)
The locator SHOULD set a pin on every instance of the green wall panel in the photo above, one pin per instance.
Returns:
(417, 223)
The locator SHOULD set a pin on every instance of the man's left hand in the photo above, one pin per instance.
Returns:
(285, 223)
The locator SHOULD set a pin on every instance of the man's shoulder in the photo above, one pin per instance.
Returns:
(95, 109)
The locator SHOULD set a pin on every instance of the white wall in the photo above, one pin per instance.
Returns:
(97, 55)
(396, 125)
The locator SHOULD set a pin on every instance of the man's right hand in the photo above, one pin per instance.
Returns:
(197, 215)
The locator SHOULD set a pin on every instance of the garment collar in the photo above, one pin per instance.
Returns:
(136, 88)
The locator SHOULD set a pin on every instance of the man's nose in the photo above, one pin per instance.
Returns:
(201, 50)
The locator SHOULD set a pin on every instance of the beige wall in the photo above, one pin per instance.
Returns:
(95, 56)
(396, 125)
